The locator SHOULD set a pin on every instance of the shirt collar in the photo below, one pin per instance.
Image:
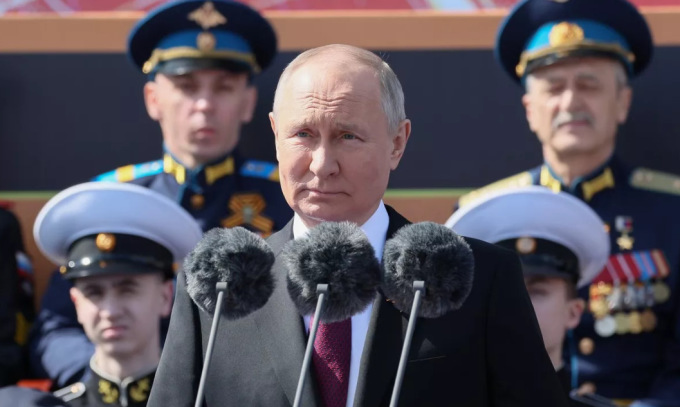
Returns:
(375, 229)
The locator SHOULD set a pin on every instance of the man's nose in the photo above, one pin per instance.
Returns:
(110, 307)
(324, 161)
(571, 100)
(205, 101)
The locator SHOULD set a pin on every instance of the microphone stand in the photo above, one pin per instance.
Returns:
(321, 290)
(419, 288)
(220, 288)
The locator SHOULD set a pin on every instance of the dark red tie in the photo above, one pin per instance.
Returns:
(331, 358)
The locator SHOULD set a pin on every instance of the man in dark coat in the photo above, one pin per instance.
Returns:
(340, 129)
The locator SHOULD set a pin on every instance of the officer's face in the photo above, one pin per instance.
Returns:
(201, 112)
(121, 314)
(575, 107)
(333, 144)
(555, 310)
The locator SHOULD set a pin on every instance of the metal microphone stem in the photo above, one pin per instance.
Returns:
(419, 288)
(220, 287)
(321, 290)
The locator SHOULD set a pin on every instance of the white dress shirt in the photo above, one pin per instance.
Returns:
(375, 229)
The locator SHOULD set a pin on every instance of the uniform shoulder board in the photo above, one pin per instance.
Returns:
(132, 171)
(516, 181)
(260, 169)
(71, 392)
(657, 181)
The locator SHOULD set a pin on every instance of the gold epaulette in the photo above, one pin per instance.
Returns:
(516, 181)
(71, 392)
(656, 181)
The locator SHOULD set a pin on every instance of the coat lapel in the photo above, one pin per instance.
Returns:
(380, 358)
(282, 329)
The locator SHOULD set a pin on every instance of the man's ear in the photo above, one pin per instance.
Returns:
(75, 298)
(526, 102)
(575, 309)
(167, 291)
(151, 100)
(399, 143)
(272, 122)
(624, 102)
(249, 104)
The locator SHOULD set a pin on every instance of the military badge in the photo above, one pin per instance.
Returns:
(207, 16)
(565, 33)
(105, 242)
(247, 212)
(624, 225)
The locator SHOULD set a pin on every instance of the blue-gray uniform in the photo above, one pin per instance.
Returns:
(175, 39)
(628, 342)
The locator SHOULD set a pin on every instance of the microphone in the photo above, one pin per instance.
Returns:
(438, 265)
(332, 272)
(230, 266)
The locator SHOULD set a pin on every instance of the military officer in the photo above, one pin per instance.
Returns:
(200, 58)
(575, 60)
(558, 254)
(116, 245)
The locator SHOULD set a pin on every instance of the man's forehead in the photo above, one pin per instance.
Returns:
(214, 74)
(110, 280)
(543, 279)
(590, 67)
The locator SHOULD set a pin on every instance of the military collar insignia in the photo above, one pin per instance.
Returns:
(599, 183)
(212, 173)
(589, 188)
(131, 391)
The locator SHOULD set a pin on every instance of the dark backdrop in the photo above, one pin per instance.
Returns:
(67, 117)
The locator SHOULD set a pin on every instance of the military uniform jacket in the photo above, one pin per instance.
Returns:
(100, 391)
(487, 353)
(228, 192)
(628, 340)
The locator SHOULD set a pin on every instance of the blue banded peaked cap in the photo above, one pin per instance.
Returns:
(185, 35)
(538, 33)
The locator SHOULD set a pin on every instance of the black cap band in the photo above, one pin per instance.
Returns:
(545, 258)
(114, 253)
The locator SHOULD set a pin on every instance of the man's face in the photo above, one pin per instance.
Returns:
(575, 106)
(201, 112)
(333, 144)
(555, 310)
(121, 313)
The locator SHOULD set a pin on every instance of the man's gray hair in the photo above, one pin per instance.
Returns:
(391, 93)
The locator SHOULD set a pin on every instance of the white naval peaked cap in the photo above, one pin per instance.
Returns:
(113, 208)
(536, 212)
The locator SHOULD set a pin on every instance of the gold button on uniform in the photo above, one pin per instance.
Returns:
(586, 346)
(197, 201)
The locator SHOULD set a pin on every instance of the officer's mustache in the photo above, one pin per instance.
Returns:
(567, 117)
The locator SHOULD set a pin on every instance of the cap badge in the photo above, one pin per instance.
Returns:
(207, 16)
(105, 242)
(565, 33)
(206, 41)
(526, 245)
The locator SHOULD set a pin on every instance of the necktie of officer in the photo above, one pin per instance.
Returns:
(331, 359)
